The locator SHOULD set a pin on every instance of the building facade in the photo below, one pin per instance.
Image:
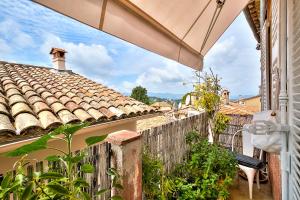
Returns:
(279, 30)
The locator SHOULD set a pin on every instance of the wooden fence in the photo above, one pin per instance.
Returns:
(168, 141)
(98, 156)
(236, 123)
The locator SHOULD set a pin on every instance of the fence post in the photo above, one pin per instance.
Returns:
(126, 149)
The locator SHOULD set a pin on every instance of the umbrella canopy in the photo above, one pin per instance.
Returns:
(182, 30)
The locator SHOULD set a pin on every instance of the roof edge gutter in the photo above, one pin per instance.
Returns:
(11, 146)
(251, 24)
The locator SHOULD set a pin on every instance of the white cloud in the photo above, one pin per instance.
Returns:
(4, 48)
(128, 86)
(223, 47)
(23, 40)
(90, 60)
(12, 33)
(236, 60)
(166, 78)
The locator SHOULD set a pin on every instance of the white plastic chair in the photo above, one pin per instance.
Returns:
(248, 150)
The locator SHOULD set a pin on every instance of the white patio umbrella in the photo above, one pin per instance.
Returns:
(182, 30)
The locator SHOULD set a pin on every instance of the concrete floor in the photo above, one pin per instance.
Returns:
(240, 191)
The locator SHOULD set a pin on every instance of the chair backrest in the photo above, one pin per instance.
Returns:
(248, 148)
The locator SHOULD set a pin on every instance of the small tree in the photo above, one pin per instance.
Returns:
(140, 93)
(208, 97)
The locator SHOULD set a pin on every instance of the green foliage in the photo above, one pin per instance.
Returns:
(207, 173)
(220, 124)
(192, 137)
(87, 168)
(155, 183)
(61, 184)
(208, 97)
(94, 139)
(115, 178)
(208, 94)
(140, 93)
(152, 173)
(183, 99)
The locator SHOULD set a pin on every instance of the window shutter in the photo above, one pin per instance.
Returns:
(295, 101)
(275, 76)
(264, 67)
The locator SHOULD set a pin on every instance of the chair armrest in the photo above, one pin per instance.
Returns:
(232, 140)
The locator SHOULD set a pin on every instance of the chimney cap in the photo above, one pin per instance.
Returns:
(54, 50)
(225, 91)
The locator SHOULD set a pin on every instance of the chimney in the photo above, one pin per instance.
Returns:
(58, 58)
(225, 97)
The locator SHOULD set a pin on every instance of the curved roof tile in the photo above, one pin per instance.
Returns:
(28, 92)
(5, 125)
(83, 115)
(25, 121)
(3, 110)
(12, 91)
(40, 106)
(20, 107)
(56, 107)
(96, 114)
(3, 101)
(67, 117)
(16, 99)
(48, 119)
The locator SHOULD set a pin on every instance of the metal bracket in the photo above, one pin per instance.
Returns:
(288, 159)
(261, 127)
(289, 162)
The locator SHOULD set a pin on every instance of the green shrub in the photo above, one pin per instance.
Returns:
(207, 173)
(152, 173)
(155, 183)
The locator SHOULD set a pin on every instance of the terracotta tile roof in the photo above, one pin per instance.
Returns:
(237, 109)
(252, 14)
(247, 98)
(186, 109)
(34, 100)
(161, 104)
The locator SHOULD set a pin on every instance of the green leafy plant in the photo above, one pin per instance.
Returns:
(156, 185)
(207, 173)
(62, 184)
(208, 98)
(220, 123)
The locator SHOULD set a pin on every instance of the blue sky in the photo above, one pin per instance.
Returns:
(28, 31)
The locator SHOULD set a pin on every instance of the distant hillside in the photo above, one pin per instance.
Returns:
(165, 95)
(237, 97)
(177, 97)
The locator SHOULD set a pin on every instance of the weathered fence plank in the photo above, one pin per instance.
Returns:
(98, 156)
(236, 123)
(168, 141)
